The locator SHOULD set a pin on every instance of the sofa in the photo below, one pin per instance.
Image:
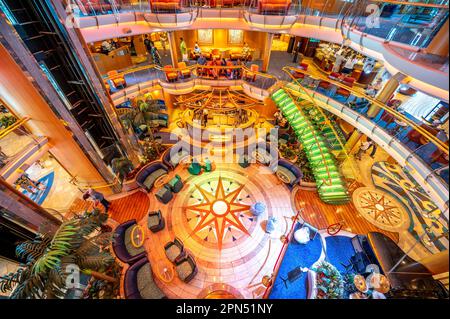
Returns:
(148, 175)
(274, 6)
(172, 156)
(165, 6)
(186, 268)
(122, 246)
(288, 173)
(155, 221)
(139, 283)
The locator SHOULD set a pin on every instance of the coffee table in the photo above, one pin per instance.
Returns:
(165, 271)
(137, 236)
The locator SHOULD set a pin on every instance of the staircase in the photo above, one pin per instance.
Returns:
(330, 185)
(318, 119)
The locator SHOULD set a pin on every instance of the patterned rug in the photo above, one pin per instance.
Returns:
(426, 222)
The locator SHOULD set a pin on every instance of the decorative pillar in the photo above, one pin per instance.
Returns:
(173, 48)
(439, 44)
(267, 52)
(352, 141)
(385, 93)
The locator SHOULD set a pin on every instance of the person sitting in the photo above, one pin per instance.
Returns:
(223, 63)
(211, 70)
(238, 71)
(246, 52)
(197, 50)
(201, 61)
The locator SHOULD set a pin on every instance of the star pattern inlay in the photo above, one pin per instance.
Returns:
(380, 208)
(219, 210)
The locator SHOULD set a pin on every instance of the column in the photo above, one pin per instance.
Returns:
(267, 52)
(351, 142)
(439, 44)
(173, 48)
(385, 93)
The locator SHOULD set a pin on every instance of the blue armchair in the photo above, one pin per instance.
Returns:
(139, 283)
(148, 175)
(123, 249)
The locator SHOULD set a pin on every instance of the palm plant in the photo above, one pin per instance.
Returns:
(47, 257)
(122, 167)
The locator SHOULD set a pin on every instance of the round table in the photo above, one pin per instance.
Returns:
(165, 271)
(380, 283)
(137, 236)
(360, 283)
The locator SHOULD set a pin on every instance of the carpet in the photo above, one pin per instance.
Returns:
(41, 195)
(296, 256)
(339, 250)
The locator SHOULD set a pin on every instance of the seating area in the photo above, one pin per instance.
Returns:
(122, 245)
(150, 173)
(288, 173)
(139, 282)
(274, 7)
(165, 6)
(184, 263)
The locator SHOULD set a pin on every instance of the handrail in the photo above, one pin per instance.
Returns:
(311, 127)
(440, 144)
(189, 67)
(327, 121)
(414, 4)
(13, 127)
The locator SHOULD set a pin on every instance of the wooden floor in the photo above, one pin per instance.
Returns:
(134, 206)
(322, 215)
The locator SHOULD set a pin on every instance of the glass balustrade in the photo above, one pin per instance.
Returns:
(411, 23)
(422, 139)
(188, 74)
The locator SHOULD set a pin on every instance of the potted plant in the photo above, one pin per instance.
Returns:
(7, 120)
(303, 163)
(122, 167)
(288, 153)
(77, 242)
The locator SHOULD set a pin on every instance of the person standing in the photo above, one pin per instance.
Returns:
(148, 45)
(155, 54)
(163, 39)
(183, 49)
(97, 197)
(364, 147)
(245, 52)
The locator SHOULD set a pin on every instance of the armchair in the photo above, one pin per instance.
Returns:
(175, 184)
(174, 250)
(138, 282)
(171, 74)
(122, 246)
(148, 175)
(288, 173)
(251, 74)
(155, 221)
(164, 195)
(116, 78)
(186, 268)
(184, 71)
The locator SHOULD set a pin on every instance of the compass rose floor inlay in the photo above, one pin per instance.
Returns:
(211, 216)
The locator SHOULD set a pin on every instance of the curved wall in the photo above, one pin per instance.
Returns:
(423, 78)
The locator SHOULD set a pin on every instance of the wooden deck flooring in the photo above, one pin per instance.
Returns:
(321, 215)
(133, 206)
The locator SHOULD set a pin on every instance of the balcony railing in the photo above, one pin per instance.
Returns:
(411, 23)
(187, 77)
(420, 138)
